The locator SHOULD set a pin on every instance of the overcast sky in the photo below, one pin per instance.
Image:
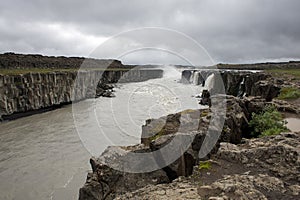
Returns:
(232, 31)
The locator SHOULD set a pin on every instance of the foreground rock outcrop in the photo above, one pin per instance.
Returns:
(107, 183)
(263, 168)
(235, 168)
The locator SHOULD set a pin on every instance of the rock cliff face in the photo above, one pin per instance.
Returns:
(36, 91)
(237, 83)
(261, 168)
(33, 83)
(107, 183)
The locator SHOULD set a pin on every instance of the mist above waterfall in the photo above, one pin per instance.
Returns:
(171, 72)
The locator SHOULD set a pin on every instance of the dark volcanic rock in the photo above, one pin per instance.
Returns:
(285, 106)
(205, 98)
(262, 168)
(21, 61)
(106, 183)
(157, 133)
(240, 83)
(35, 91)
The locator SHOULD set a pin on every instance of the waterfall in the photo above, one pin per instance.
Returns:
(171, 72)
(241, 90)
(210, 82)
(192, 78)
(196, 78)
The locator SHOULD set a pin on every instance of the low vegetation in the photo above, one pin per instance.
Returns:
(289, 93)
(287, 72)
(157, 135)
(267, 122)
(204, 165)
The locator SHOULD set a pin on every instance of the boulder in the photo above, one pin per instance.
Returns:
(106, 182)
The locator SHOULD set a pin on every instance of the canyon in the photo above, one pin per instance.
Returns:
(235, 166)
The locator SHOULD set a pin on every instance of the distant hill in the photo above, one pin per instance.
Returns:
(29, 61)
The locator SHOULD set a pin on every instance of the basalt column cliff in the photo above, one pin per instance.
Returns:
(32, 83)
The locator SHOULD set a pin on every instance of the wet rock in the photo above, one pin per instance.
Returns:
(205, 98)
(186, 76)
(104, 90)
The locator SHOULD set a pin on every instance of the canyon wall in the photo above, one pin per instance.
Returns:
(34, 83)
(237, 82)
(25, 93)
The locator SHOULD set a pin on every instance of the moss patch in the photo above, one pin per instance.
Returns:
(204, 113)
(157, 135)
(204, 165)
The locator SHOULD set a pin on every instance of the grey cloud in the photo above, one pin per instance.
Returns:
(231, 30)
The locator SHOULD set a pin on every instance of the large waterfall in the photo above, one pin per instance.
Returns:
(210, 82)
(196, 78)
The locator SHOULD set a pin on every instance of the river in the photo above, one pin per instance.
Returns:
(43, 156)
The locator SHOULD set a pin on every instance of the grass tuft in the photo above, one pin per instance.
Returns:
(289, 93)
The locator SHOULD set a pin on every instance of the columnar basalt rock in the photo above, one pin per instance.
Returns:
(34, 91)
(32, 83)
(239, 82)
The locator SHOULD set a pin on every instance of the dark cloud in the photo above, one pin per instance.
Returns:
(230, 30)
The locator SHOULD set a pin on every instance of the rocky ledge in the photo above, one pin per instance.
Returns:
(263, 168)
(235, 168)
